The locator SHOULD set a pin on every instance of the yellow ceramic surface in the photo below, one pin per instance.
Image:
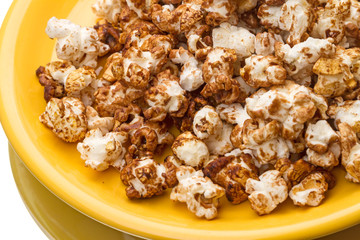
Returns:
(59, 221)
(23, 47)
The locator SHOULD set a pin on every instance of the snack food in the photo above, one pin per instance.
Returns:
(250, 87)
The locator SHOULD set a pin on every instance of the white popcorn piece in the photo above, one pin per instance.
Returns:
(310, 191)
(107, 9)
(101, 151)
(105, 124)
(238, 38)
(199, 193)
(79, 45)
(191, 72)
(318, 136)
(190, 150)
(267, 193)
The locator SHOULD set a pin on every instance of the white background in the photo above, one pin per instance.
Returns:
(15, 221)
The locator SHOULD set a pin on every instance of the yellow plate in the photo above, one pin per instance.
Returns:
(59, 221)
(23, 47)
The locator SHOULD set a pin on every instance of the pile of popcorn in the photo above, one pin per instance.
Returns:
(265, 95)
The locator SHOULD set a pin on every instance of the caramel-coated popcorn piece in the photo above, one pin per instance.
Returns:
(286, 17)
(66, 118)
(146, 178)
(330, 20)
(231, 173)
(350, 150)
(291, 104)
(300, 59)
(346, 112)
(295, 172)
(263, 71)
(199, 193)
(166, 97)
(310, 191)
(266, 193)
(110, 98)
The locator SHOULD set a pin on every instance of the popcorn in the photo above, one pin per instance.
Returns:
(66, 118)
(262, 138)
(217, 73)
(108, 9)
(94, 121)
(166, 97)
(82, 83)
(266, 193)
(218, 11)
(350, 150)
(136, 67)
(337, 75)
(265, 43)
(141, 8)
(246, 83)
(220, 143)
(53, 77)
(177, 20)
(245, 5)
(233, 113)
(346, 112)
(327, 160)
(191, 71)
(103, 150)
(199, 193)
(300, 59)
(190, 150)
(330, 20)
(318, 136)
(110, 98)
(231, 173)
(109, 35)
(293, 16)
(293, 173)
(291, 104)
(263, 71)
(310, 191)
(237, 38)
(79, 45)
(206, 122)
(146, 178)
(219, 61)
